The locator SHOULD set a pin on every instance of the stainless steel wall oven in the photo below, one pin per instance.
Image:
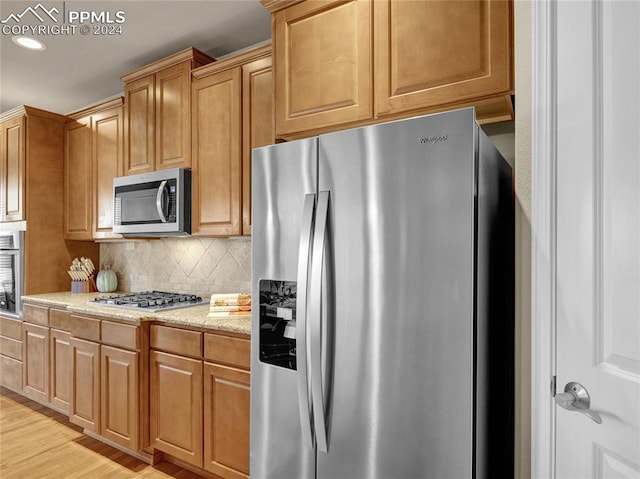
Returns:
(11, 272)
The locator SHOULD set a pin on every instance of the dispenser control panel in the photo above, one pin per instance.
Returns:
(278, 323)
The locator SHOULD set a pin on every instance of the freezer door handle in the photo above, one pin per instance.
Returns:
(304, 256)
(317, 310)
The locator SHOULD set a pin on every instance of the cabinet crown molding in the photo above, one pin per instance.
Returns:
(275, 5)
(29, 110)
(90, 110)
(232, 61)
(196, 56)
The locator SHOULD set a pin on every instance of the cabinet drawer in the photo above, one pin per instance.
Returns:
(11, 347)
(11, 328)
(60, 319)
(176, 340)
(121, 335)
(36, 314)
(85, 328)
(227, 350)
(11, 373)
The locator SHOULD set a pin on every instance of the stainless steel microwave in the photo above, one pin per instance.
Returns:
(153, 204)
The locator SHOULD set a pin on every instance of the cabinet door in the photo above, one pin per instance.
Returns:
(217, 162)
(61, 370)
(35, 357)
(226, 421)
(78, 191)
(322, 65)
(173, 117)
(176, 406)
(108, 146)
(441, 52)
(257, 124)
(13, 170)
(120, 398)
(84, 409)
(139, 125)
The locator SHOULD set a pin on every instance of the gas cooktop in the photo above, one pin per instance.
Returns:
(151, 301)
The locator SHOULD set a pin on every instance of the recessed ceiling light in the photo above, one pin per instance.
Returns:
(28, 42)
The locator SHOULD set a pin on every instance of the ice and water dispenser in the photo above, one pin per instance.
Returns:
(278, 323)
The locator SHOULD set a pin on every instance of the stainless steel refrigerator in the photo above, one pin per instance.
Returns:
(382, 346)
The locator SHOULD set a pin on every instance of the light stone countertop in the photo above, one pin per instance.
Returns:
(195, 316)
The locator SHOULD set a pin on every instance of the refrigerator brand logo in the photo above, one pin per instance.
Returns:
(432, 140)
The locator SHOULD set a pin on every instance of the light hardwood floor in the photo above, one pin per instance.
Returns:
(37, 442)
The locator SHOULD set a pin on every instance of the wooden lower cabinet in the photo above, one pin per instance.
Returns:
(60, 370)
(35, 370)
(11, 353)
(226, 421)
(120, 396)
(176, 406)
(85, 390)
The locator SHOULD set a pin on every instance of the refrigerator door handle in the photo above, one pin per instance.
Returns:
(304, 256)
(315, 323)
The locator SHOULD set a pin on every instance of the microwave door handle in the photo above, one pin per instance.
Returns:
(162, 190)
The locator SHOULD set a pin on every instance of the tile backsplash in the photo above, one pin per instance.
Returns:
(185, 265)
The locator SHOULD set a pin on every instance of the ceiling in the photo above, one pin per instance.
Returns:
(76, 70)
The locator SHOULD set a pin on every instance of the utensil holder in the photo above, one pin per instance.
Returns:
(88, 286)
(79, 286)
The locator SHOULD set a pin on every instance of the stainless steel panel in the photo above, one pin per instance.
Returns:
(402, 227)
(282, 176)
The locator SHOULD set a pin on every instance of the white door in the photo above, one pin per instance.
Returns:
(596, 264)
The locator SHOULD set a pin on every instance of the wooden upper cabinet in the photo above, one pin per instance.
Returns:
(322, 60)
(139, 99)
(217, 165)
(258, 127)
(158, 113)
(94, 143)
(78, 192)
(349, 63)
(173, 117)
(13, 170)
(232, 113)
(430, 54)
(108, 162)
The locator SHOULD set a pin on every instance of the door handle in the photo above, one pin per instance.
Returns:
(304, 402)
(160, 201)
(318, 388)
(576, 398)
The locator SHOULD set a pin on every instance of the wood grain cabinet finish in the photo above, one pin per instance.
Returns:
(12, 167)
(226, 421)
(107, 163)
(430, 54)
(217, 161)
(258, 128)
(78, 198)
(84, 409)
(35, 370)
(140, 114)
(11, 353)
(94, 145)
(158, 113)
(61, 370)
(323, 65)
(349, 63)
(119, 407)
(232, 114)
(32, 189)
(176, 406)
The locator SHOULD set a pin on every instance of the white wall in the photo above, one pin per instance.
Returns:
(523, 161)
